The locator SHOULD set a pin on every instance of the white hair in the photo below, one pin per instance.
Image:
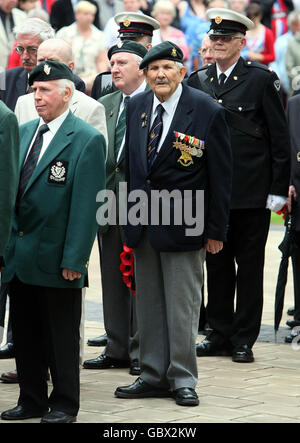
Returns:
(62, 85)
(35, 26)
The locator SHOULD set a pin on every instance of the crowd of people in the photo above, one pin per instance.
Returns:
(171, 97)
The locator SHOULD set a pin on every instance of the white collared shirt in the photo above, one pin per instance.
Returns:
(170, 107)
(53, 126)
(227, 72)
(140, 89)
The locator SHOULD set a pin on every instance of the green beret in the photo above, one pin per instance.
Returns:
(163, 51)
(128, 46)
(50, 70)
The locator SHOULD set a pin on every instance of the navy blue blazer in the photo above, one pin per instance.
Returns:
(197, 115)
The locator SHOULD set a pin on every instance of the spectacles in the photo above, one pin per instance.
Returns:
(31, 50)
(223, 38)
(203, 51)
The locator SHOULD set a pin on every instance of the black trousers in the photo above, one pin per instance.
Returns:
(45, 325)
(296, 273)
(238, 269)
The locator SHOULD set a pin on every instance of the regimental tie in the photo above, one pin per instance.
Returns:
(222, 78)
(121, 127)
(154, 135)
(31, 161)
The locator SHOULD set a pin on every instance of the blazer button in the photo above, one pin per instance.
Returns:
(117, 169)
(21, 233)
(148, 182)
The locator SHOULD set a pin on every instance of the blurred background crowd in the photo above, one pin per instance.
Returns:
(90, 28)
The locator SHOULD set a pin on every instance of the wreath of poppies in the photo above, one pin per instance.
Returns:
(127, 268)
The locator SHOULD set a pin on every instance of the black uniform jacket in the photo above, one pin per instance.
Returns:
(259, 131)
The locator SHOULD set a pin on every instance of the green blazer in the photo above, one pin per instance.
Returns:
(55, 225)
(9, 168)
(115, 170)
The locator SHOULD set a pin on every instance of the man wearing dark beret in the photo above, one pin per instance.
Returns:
(118, 303)
(62, 168)
(250, 94)
(177, 146)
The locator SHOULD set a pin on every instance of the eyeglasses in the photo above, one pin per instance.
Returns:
(203, 51)
(223, 38)
(31, 50)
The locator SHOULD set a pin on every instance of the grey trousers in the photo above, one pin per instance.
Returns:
(118, 302)
(168, 305)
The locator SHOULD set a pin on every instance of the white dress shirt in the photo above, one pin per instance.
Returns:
(170, 107)
(53, 126)
(227, 72)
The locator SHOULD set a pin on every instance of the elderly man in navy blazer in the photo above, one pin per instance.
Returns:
(177, 142)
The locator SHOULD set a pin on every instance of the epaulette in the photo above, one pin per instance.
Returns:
(200, 69)
(253, 64)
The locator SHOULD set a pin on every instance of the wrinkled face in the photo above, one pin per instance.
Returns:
(28, 45)
(163, 76)
(49, 102)
(125, 72)
(228, 51)
(207, 52)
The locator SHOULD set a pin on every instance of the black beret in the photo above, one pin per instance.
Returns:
(128, 46)
(163, 51)
(50, 70)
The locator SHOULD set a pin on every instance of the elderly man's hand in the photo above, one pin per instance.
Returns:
(70, 275)
(292, 193)
(213, 246)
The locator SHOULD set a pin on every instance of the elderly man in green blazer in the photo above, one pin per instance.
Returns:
(118, 304)
(62, 168)
(9, 161)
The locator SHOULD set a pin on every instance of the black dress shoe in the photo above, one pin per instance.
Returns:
(186, 397)
(21, 413)
(105, 362)
(134, 367)
(208, 348)
(58, 417)
(98, 341)
(141, 389)
(242, 354)
(10, 377)
(7, 351)
(291, 311)
(293, 323)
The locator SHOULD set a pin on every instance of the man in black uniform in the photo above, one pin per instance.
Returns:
(133, 26)
(250, 94)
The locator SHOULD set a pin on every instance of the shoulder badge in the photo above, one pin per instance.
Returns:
(277, 85)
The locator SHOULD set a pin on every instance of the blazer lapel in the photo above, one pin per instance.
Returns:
(21, 84)
(59, 142)
(143, 127)
(112, 113)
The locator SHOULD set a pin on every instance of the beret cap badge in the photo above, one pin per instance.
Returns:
(218, 19)
(174, 53)
(47, 69)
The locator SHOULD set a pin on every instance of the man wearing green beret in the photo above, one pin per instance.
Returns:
(118, 303)
(177, 147)
(9, 160)
(62, 168)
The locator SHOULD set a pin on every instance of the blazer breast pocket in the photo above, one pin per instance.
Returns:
(58, 172)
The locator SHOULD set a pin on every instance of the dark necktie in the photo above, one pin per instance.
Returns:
(31, 160)
(155, 134)
(222, 78)
(121, 127)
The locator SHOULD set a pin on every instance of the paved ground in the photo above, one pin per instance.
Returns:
(267, 390)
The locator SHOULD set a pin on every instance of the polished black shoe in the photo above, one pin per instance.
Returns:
(242, 354)
(7, 351)
(186, 397)
(105, 362)
(291, 312)
(98, 341)
(58, 417)
(134, 367)
(21, 413)
(208, 348)
(141, 389)
(293, 323)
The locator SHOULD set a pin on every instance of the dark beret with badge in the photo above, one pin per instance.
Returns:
(135, 24)
(129, 46)
(226, 22)
(50, 70)
(163, 51)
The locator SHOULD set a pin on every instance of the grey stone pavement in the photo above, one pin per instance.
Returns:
(266, 391)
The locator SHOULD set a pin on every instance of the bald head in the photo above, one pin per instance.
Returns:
(56, 49)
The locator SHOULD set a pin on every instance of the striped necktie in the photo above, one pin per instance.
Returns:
(154, 135)
(121, 127)
(31, 161)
